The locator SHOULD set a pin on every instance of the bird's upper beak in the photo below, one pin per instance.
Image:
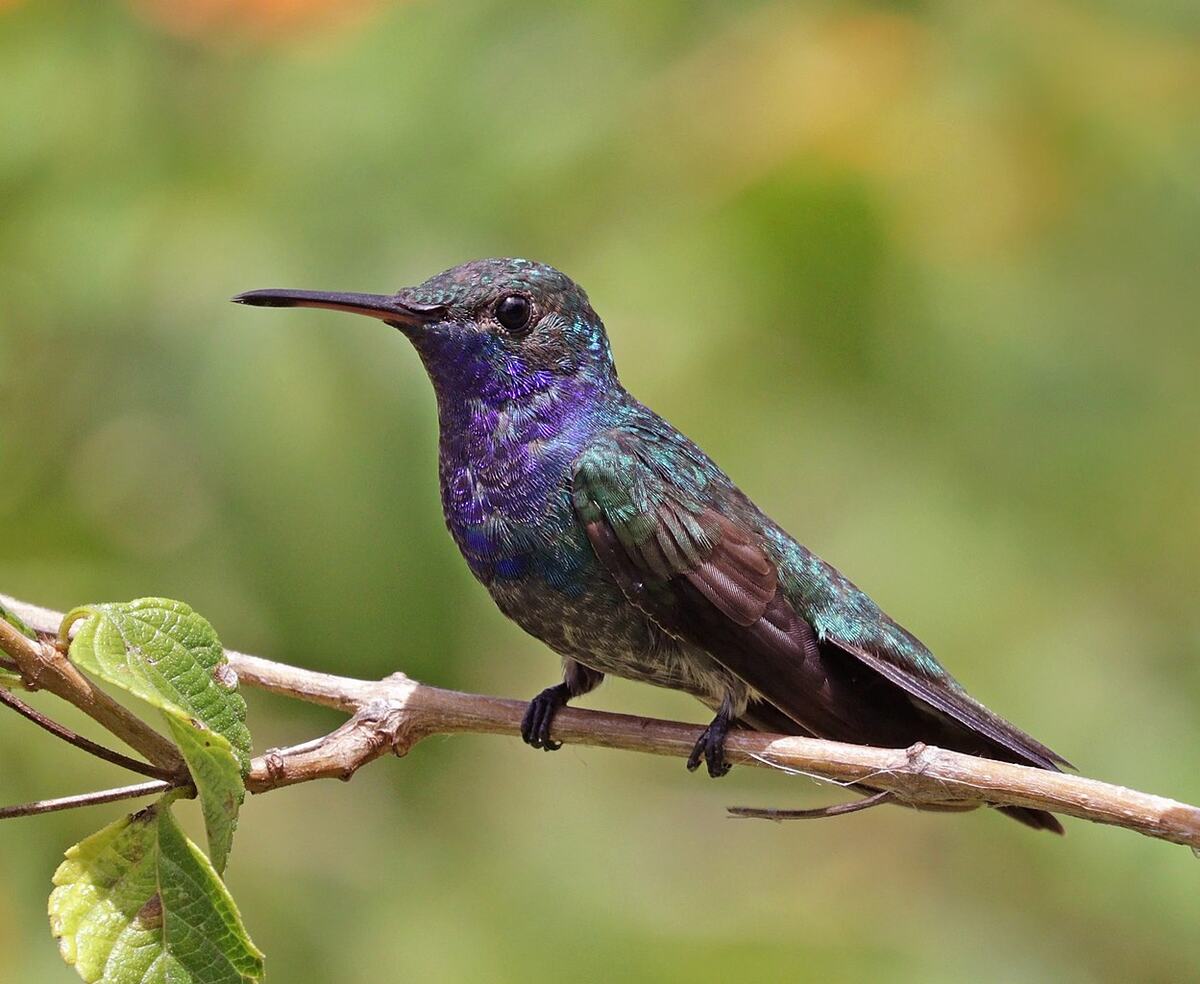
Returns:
(390, 308)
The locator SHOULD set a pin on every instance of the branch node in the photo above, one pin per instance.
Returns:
(918, 755)
(404, 736)
(275, 765)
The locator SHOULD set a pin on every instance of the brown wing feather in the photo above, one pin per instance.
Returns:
(736, 577)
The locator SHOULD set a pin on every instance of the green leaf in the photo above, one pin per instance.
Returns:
(166, 654)
(139, 903)
(163, 652)
(218, 782)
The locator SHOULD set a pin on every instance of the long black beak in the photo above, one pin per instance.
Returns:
(389, 308)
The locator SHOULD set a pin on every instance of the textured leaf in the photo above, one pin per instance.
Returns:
(138, 903)
(218, 782)
(163, 652)
(166, 654)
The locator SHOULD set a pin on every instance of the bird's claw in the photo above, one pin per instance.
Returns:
(710, 747)
(535, 726)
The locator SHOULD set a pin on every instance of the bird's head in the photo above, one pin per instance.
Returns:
(493, 328)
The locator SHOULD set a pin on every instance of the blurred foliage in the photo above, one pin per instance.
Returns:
(922, 276)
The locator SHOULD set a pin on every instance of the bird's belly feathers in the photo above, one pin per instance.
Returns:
(601, 629)
(547, 579)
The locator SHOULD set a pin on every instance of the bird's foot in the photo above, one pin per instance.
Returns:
(535, 726)
(710, 747)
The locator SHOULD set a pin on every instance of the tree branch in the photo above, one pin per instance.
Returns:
(393, 714)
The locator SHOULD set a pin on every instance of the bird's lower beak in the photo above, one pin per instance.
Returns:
(389, 308)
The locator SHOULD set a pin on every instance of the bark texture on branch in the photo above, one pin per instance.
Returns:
(393, 714)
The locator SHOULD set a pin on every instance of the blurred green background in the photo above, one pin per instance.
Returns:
(921, 276)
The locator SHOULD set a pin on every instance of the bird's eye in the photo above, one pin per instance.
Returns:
(513, 312)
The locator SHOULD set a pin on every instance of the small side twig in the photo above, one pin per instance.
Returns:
(79, 741)
(820, 813)
(151, 788)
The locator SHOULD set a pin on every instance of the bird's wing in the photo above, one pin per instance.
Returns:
(706, 577)
(700, 575)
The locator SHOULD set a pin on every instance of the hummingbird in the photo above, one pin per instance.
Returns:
(603, 531)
